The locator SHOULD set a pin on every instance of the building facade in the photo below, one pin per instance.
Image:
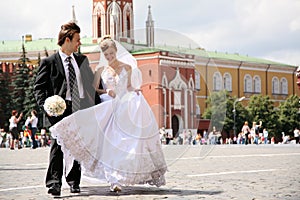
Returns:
(177, 84)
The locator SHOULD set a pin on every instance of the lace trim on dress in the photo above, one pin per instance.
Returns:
(73, 147)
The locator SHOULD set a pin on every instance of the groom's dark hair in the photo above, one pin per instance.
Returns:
(67, 31)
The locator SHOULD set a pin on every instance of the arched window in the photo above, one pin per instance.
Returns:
(115, 19)
(217, 78)
(128, 21)
(128, 25)
(197, 80)
(257, 84)
(247, 83)
(284, 86)
(191, 84)
(164, 81)
(227, 82)
(99, 27)
(98, 20)
(275, 85)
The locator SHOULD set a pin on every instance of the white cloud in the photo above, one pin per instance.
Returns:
(295, 24)
(284, 56)
(258, 28)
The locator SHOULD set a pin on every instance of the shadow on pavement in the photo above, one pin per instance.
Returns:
(133, 190)
(22, 169)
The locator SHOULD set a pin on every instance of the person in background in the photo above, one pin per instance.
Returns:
(13, 128)
(240, 138)
(265, 134)
(213, 136)
(1, 136)
(205, 136)
(245, 132)
(26, 137)
(33, 122)
(296, 135)
(27, 123)
(255, 131)
(198, 139)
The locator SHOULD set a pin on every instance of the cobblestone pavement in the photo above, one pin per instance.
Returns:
(253, 172)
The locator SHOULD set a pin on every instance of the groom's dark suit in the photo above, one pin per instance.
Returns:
(51, 80)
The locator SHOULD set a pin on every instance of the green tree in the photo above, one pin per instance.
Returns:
(261, 108)
(289, 116)
(284, 118)
(229, 120)
(217, 108)
(220, 111)
(20, 82)
(241, 115)
(29, 101)
(5, 103)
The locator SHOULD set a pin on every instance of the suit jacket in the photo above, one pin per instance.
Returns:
(51, 80)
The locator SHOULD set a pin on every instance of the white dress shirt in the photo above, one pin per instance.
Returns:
(34, 121)
(77, 71)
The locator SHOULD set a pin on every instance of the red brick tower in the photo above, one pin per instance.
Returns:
(298, 77)
(115, 18)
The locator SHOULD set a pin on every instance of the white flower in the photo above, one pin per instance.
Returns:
(55, 105)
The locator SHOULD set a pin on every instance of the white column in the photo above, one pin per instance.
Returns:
(185, 110)
(94, 26)
(170, 109)
(165, 107)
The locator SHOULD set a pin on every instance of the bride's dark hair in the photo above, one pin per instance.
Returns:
(107, 42)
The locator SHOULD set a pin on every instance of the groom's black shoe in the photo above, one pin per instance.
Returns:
(54, 190)
(74, 189)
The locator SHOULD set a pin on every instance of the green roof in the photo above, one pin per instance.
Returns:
(87, 43)
(34, 45)
(210, 54)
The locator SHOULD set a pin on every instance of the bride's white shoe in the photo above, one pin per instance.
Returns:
(114, 187)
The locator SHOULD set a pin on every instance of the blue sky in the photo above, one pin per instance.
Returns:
(267, 29)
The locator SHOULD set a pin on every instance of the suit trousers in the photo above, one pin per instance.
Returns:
(55, 168)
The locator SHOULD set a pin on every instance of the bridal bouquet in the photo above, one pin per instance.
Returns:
(55, 105)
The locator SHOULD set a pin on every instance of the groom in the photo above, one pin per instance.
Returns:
(54, 78)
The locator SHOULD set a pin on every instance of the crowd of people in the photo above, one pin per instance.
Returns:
(26, 136)
(189, 137)
(257, 134)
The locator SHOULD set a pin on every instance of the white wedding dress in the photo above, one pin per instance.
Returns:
(116, 141)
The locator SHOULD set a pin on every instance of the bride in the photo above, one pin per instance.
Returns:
(118, 140)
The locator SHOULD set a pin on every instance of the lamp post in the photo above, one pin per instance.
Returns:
(234, 113)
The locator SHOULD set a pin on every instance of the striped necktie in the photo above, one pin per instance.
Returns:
(73, 86)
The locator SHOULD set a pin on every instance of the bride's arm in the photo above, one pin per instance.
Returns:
(97, 79)
(129, 86)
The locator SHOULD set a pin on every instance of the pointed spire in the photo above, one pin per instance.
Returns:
(73, 15)
(149, 14)
(150, 29)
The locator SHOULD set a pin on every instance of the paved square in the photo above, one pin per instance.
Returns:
(195, 172)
